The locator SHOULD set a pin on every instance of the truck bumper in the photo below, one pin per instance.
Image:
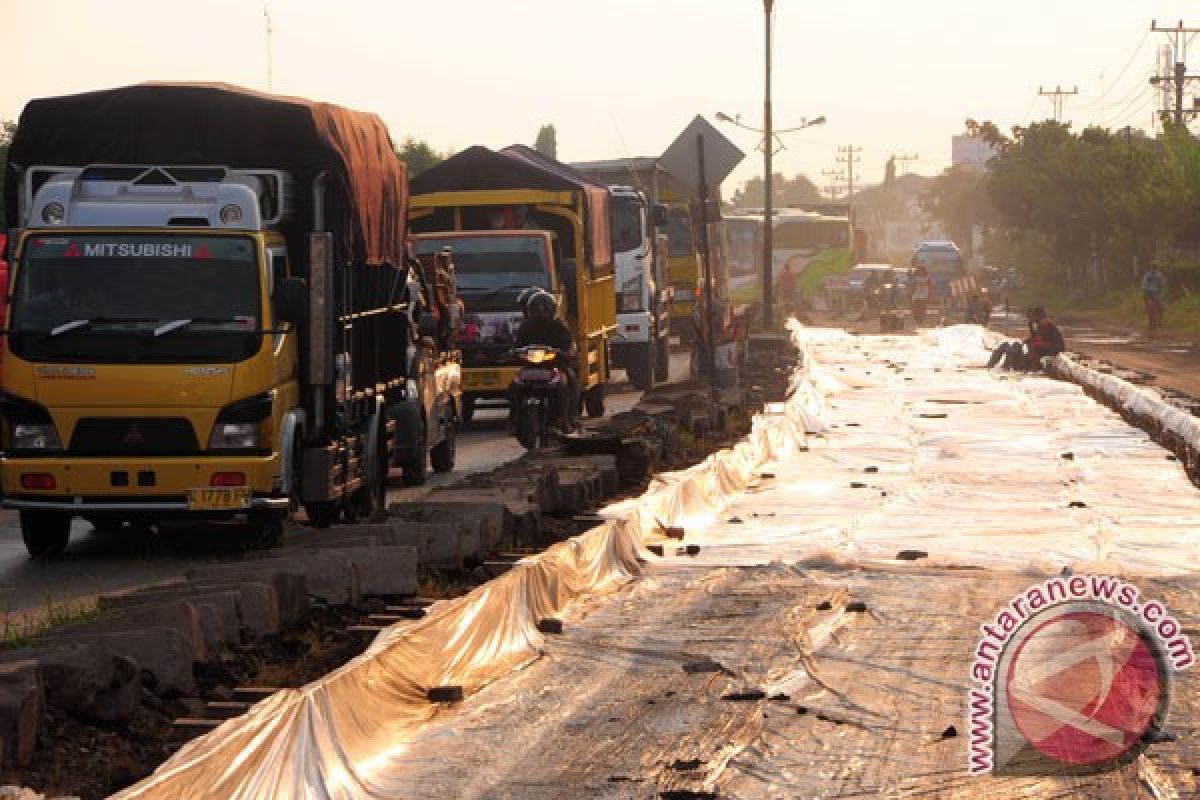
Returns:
(93, 485)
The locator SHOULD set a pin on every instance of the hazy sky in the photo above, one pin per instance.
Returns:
(622, 77)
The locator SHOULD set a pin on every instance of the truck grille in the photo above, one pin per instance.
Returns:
(149, 436)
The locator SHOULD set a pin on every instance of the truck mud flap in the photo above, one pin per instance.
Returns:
(320, 474)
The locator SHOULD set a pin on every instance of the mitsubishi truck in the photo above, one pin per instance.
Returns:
(213, 313)
(515, 219)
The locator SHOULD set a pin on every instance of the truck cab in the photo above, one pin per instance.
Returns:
(641, 342)
(493, 269)
(150, 361)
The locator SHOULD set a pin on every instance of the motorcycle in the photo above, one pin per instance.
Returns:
(535, 395)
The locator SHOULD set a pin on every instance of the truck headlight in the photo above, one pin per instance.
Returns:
(244, 425)
(234, 436)
(35, 436)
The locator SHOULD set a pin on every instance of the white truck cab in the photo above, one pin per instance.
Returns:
(641, 345)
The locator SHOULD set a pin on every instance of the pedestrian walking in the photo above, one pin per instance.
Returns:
(1154, 290)
(921, 287)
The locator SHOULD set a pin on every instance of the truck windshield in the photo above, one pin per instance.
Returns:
(145, 298)
(626, 225)
(494, 263)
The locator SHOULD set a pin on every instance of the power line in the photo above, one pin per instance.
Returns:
(1132, 57)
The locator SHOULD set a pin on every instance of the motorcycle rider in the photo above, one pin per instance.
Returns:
(543, 327)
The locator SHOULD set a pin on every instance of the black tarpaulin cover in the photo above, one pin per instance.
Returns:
(219, 124)
(520, 167)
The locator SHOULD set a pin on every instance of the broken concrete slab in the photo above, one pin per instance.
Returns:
(328, 575)
(521, 519)
(487, 515)
(382, 569)
(257, 604)
(604, 464)
(162, 653)
(83, 679)
(22, 701)
(179, 615)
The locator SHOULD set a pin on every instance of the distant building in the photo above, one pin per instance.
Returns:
(970, 151)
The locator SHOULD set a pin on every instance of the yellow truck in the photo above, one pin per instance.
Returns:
(213, 314)
(515, 219)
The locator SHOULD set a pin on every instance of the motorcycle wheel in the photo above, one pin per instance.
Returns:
(529, 427)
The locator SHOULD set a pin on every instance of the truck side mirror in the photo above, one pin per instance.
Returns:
(658, 215)
(291, 304)
(427, 325)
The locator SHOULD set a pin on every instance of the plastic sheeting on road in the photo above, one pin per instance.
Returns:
(912, 446)
(333, 738)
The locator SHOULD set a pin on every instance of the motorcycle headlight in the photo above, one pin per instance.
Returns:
(35, 436)
(537, 356)
(234, 436)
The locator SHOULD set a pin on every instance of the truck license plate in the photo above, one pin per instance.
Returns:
(225, 499)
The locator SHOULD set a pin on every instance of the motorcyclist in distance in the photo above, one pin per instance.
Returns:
(543, 327)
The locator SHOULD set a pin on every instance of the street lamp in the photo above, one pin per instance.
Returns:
(770, 138)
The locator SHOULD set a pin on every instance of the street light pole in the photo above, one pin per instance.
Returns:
(768, 188)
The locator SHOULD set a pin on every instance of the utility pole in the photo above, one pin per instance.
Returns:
(849, 157)
(1058, 93)
(768, 188)
(903, 160)
(1179, 77)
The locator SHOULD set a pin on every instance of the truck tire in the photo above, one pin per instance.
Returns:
(593, 401)
(266, 528)
(640, 367)
(442, 456)
(323, 513)
(46, 533)
(662, 361)
(415, 470)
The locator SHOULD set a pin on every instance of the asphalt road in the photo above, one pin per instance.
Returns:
(97, 563)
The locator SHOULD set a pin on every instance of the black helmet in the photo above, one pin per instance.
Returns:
(540, 304)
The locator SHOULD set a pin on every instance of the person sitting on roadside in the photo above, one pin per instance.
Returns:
(1045, 339)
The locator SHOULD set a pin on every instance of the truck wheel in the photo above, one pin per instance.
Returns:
(468, 409)
(322, 514)
(442, 456)
(662, 361)
(415, 470)
(46, 533)
(593, 401)
(266, 528)
(640, 368)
